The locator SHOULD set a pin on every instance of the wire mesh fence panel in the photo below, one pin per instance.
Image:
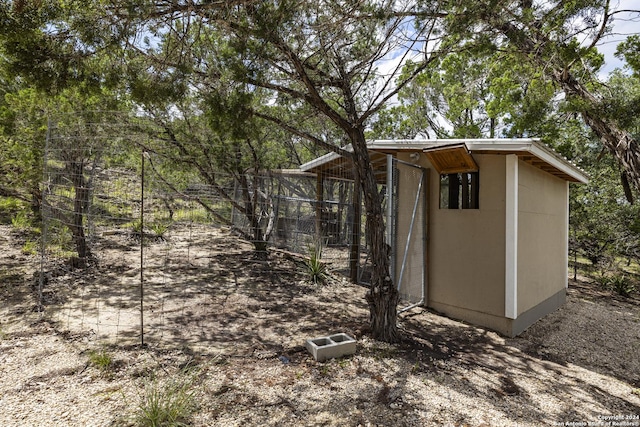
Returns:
(91, 214)
(306, 220)
(135, 250)
(410, 233)
(130, 255)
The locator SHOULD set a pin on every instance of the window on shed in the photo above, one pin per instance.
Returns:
(459, 190)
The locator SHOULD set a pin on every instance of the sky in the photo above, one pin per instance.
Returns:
(624, 25)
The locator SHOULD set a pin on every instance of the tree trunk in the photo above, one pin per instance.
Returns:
(619, 142)
(356, 229)
(251, 211)
(625, 148)
(382, 296)
(80, 205)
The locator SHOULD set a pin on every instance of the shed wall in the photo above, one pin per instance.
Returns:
(467, 246)
(542, 236)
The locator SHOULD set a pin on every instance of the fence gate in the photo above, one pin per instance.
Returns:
(407, 228)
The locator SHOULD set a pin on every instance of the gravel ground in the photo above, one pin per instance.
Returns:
(578, 365)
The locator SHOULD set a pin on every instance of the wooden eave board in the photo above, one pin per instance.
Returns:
(451, 159)
(534, 161)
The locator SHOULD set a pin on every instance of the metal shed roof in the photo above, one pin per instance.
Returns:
(531, 151)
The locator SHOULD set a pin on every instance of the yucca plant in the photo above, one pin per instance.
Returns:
(622, 285)
(316, 268)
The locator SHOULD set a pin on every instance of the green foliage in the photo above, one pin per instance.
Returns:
(316, 268)
(622, 101)
(343, 363)
(196, 214)
(30, 247)
(617, 282)
(630, 51)
(324, 370)
(67, 120)
(622, 285)
(169, 404)
(10, 207)
(218, 142)
(478, 91)
(603, 224)
(242, 97)
(21, 221)
(155, 230)
(51, 45)
(159, 229)
(136, 226)
(458, 90)
(22, 138)
(101, 360)
(60, 240)
(405, 121)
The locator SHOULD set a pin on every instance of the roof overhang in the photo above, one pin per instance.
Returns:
(535, 153)
(450, 159)
(530, 151)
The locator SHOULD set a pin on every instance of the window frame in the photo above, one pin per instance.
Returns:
(465, 194)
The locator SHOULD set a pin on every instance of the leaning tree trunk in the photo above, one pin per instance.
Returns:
(382, 296)
(624, 148)
(619, 142)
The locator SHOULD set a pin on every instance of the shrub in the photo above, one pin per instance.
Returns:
(622, 285)
(618, 283)
(170, 404)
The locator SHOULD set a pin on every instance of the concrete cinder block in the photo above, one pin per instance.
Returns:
(331, 347)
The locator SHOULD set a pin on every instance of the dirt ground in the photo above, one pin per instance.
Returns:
(231, 329)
